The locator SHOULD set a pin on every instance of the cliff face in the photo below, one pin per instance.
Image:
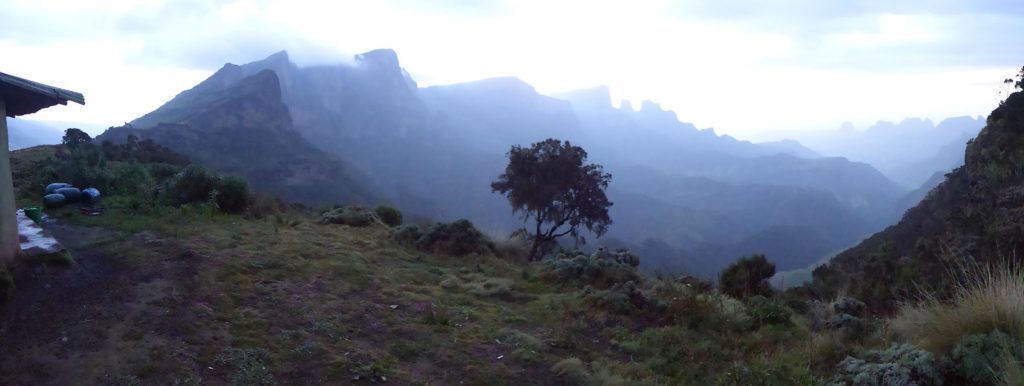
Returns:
(243, 127)
(975, 215)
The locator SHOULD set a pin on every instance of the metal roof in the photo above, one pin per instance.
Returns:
(23, 96)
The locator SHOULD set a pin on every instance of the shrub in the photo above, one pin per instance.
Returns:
(407, 234)
(131, 179)
(848, 305)
(389, 215)
(162, 171)
(977, 359)
(525, 347)
(192, 184)
(984, 300)
(896, 366)
(349, 215)
(621, 298)
(768, 311)
(748, 276)
(572, 370)
(233, 194)
(82, 165)
(849, 326)
(458, 238)
(584, 270)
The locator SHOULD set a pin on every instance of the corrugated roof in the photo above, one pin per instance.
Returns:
(23, 96)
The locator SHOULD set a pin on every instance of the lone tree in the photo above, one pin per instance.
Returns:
(551, 183)
(74, 137)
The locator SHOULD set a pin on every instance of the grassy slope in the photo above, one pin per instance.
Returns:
(181, 295)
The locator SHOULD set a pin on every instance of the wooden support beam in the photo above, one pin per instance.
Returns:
(9, 245)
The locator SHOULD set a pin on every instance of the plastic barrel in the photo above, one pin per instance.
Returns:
(52, 188)
(35, 213)
(90, 196)
(54, 200)
(70, 194)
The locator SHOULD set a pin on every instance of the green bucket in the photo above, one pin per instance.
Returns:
(35, 213)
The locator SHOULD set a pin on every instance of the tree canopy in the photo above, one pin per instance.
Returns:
(551, 183)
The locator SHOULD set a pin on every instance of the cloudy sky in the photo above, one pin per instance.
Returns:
(747, 68)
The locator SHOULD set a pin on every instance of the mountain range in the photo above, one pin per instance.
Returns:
(687, 199)
(908, 152)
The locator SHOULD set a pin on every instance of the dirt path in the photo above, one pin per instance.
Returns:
(116, 309)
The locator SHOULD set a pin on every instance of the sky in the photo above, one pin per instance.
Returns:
(751, 69)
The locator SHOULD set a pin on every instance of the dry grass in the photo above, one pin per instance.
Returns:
(986, 299)
(1013, 371)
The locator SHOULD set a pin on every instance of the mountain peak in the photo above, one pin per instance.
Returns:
(599, 97)
(278, 57)
(383, 58)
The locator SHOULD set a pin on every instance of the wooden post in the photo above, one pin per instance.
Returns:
(9, 244)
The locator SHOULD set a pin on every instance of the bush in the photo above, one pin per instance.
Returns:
(748, 276)
(571, 370)
(584, 270)
(349, 215)
(192, 184)
(130, 180)
(848, 305)
(233, 194)
(768, 311)
(389, 215)
(458, 238)
(977, 359)
(896, 366)
(162, 171)
(622, 298)
(407, 234)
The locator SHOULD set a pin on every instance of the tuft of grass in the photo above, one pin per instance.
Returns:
(1013, 371)
(985, 299)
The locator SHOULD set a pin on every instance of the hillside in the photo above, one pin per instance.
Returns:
(238, 124)
(974, 216)
(189, 295)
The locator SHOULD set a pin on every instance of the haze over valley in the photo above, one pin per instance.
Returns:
(257, 192)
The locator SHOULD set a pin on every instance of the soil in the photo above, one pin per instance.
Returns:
(88, 322)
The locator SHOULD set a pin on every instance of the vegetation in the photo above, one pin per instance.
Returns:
(459, 238)
(971, 218)
(389, 215)
(552, 183)
(748, 276)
